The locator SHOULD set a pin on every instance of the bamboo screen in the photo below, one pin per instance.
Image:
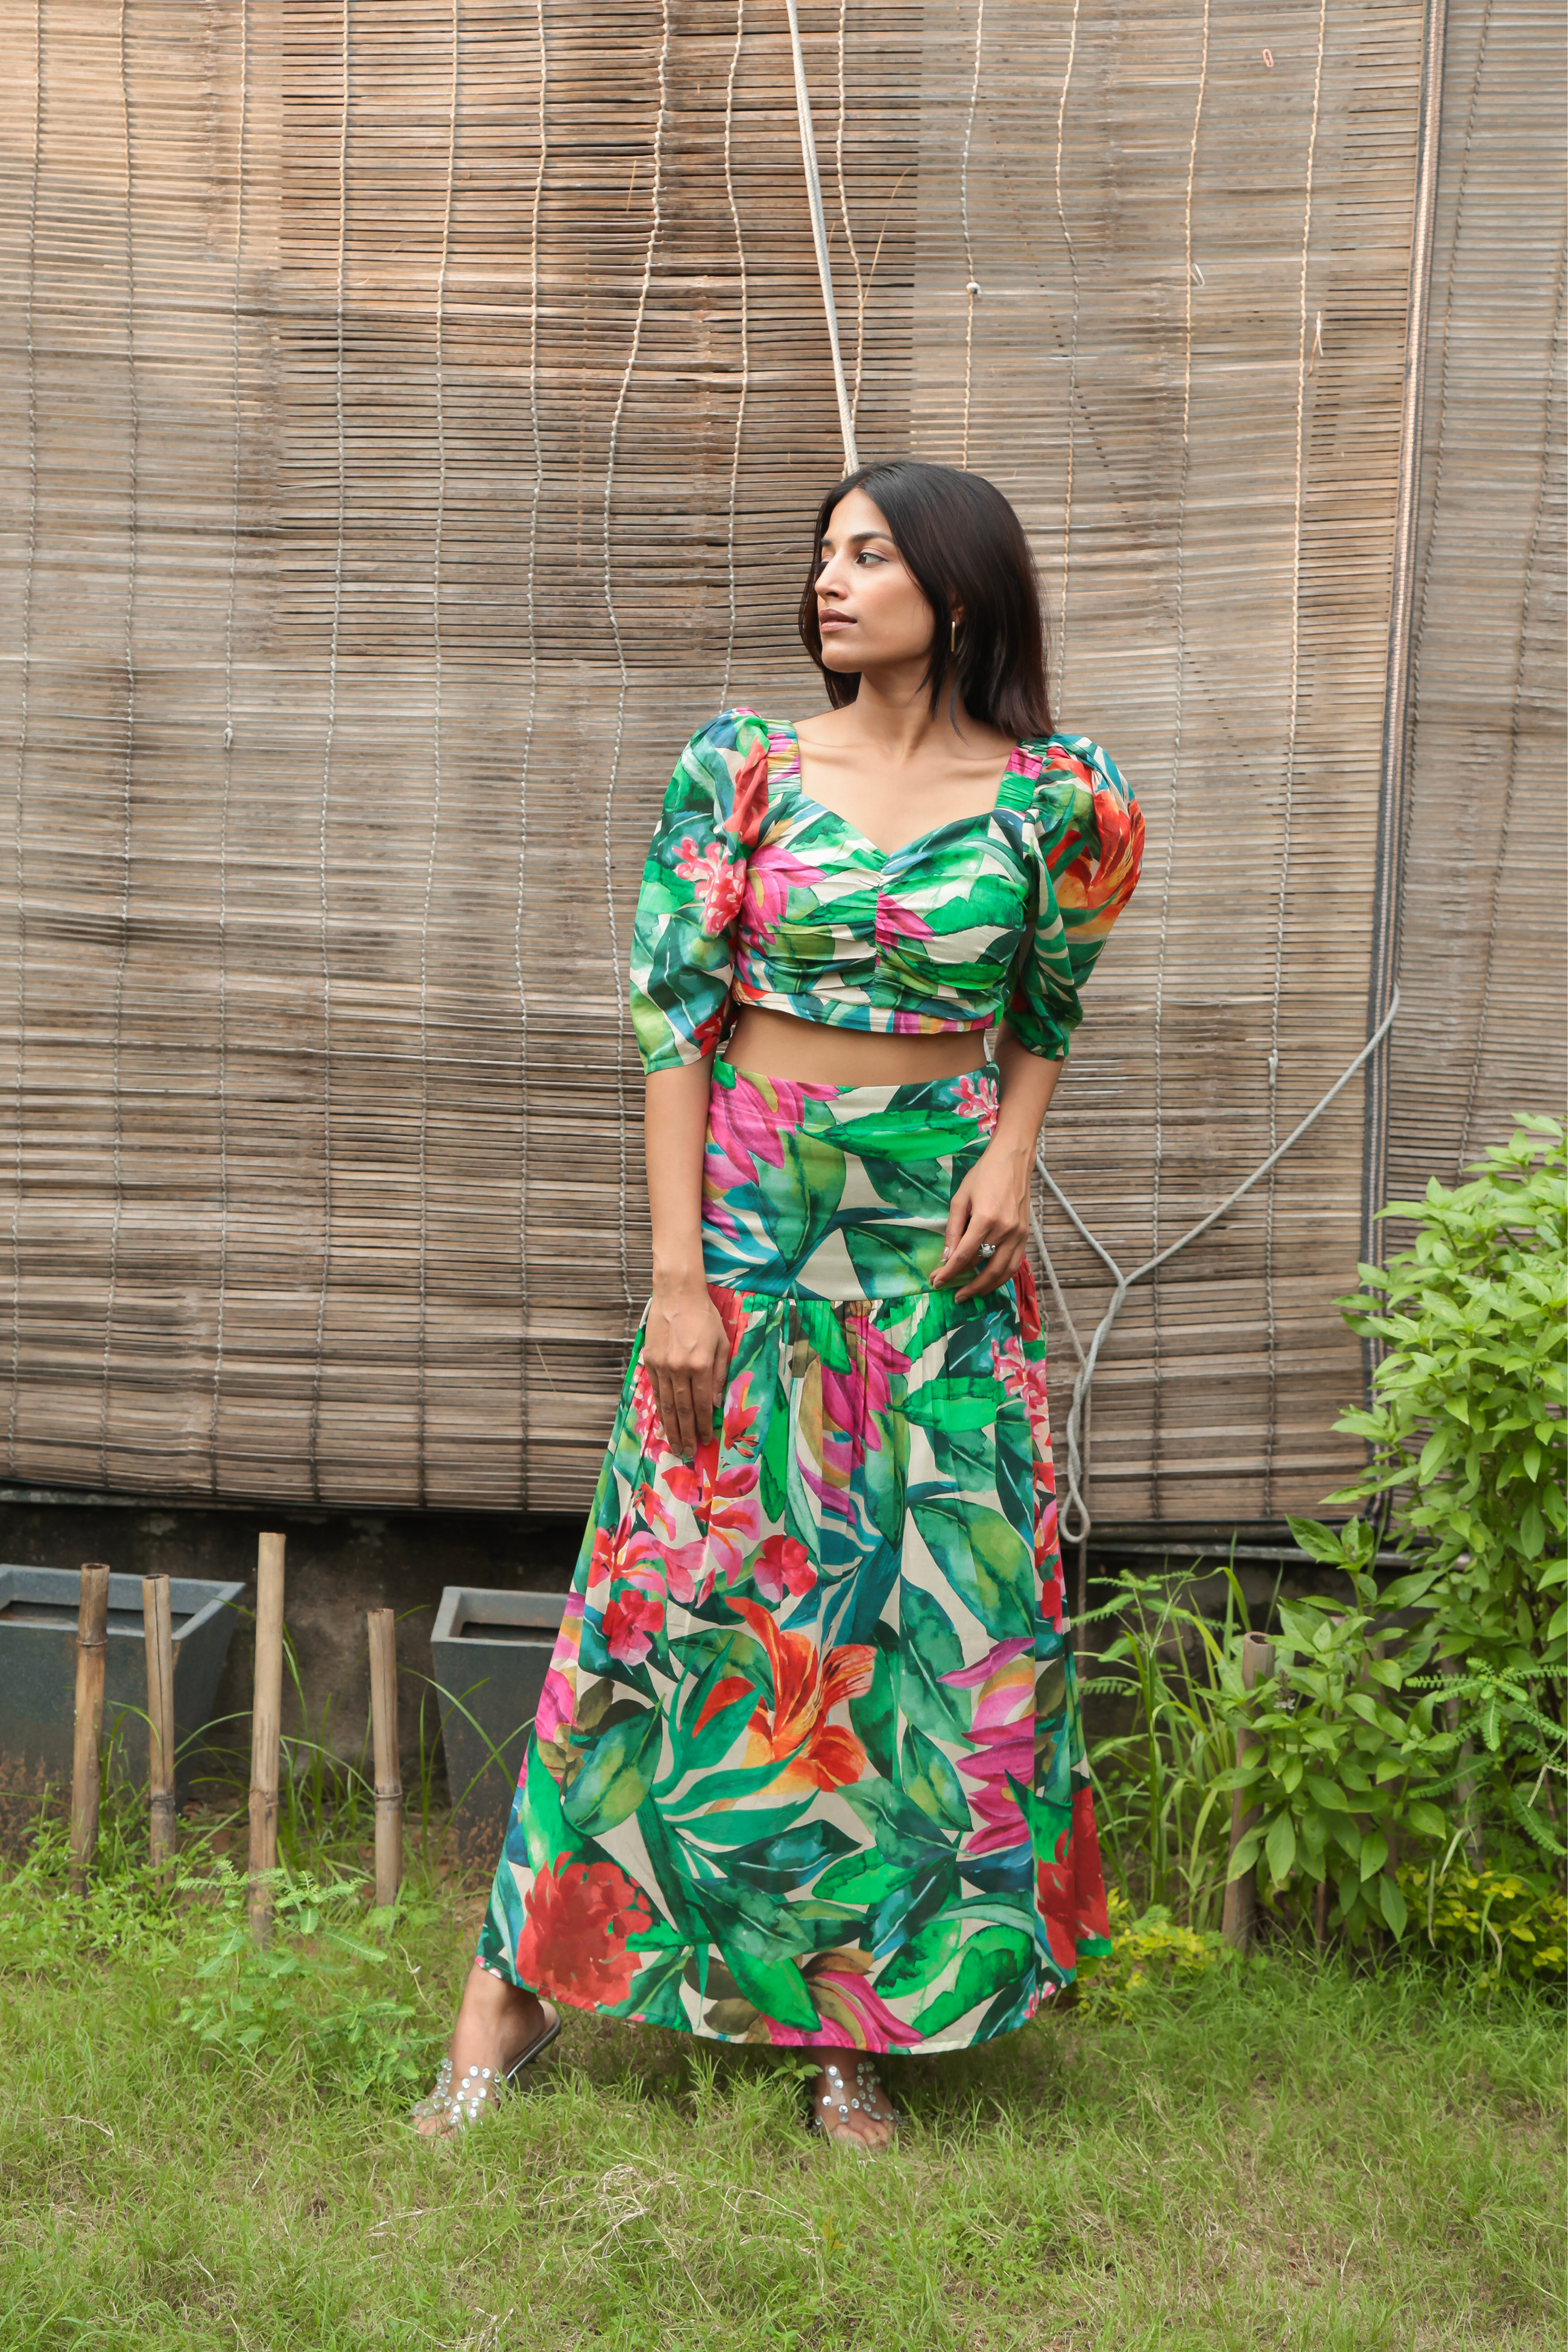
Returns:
(413, 414)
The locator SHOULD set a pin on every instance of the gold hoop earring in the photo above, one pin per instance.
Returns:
(952, 635)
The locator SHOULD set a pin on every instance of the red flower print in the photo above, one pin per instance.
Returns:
(727, 1507)
(576, 1922)
(783, 1566)
(751, 806)
(720, 886)
(814, 1752)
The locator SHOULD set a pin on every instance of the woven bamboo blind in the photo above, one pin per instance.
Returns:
(412, 416)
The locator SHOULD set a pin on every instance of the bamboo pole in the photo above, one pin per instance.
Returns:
(265, 1724)
(1241, 1893)
(383, 1628)
(156, 1626)
(91, 1622)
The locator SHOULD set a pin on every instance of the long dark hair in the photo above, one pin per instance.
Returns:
(965, 547)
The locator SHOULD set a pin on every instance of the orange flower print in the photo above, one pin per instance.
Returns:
(813, 1752)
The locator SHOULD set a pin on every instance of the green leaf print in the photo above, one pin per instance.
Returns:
(617, 1776)
(865, 1879)
(944, 1406)
(802, 1195)
(987, 1562)
(777, 1864)
(886, 1474)
(928, 1649)
(775, 1987)
(903, 1833)
(731, 1649)
(929, 1892)
(895, 1136)
(872, 1713)
(761, 1942)
(890, 1260)
(656, 1993)
(994, 1959)
(922, 1960)
(930, 1779)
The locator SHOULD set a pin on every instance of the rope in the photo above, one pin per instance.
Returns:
(655, 222)
(818, 232)
(27, 655)
(1072, 357)
(745, 331)
(124, 917)
(1272, 1341)
(1388, 867)
(420, 1401)
(1078, 1458)
(219, 1334)
(861, 288)
(321, 866)
(1158, 1431)
(524, 1423)
(970, 289)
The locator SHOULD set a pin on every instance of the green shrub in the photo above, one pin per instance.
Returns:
(1507, 1923)
(1467, 1425)
(1150, 1953)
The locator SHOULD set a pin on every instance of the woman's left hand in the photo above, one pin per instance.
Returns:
(992, 1205)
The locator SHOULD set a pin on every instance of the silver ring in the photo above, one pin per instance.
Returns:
(987, 1250)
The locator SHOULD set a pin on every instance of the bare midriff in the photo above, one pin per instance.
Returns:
(780, 1046)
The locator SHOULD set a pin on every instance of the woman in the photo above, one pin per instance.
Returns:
(808, 1770)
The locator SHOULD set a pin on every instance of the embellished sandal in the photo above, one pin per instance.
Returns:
(478, 2091)
(866, 2092)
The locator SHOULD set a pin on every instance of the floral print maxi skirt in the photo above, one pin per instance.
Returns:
(808, 1766)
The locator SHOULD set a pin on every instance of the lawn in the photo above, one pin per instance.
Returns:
(1286, 2154)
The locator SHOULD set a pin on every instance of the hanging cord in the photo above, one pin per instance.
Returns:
(1076, 1521)
(819, 236)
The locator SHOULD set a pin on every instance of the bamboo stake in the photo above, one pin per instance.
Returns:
(156, 1626)
(383, 1626)
(1241, 1893)
(265, 1724)
(93, 1618)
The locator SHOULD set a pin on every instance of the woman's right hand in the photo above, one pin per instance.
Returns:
(687, 1354)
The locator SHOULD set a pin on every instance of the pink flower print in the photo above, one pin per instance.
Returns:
(978, 1101)
(645, 1419)
(1008, 1364)
(853, 2014)
(740, 1416)
(772, 873)
(630, 1623)
(783, 1565)
(1002, 1731)
(747, 1123)
(897, 922)
(719, 885)
(558, 1699)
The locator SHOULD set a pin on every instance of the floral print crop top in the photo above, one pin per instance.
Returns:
(754, 892)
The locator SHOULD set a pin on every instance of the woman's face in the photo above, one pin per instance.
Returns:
(872, 611)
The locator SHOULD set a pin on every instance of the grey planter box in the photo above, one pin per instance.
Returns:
(37, 1675)
(491, 1652)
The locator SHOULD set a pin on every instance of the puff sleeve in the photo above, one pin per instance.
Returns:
(682, 958)
(1087, 835)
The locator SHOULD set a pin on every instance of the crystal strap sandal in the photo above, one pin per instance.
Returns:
(864, 2100)
(477, 2091)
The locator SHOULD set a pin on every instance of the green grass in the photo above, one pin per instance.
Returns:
(1282, 2156)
